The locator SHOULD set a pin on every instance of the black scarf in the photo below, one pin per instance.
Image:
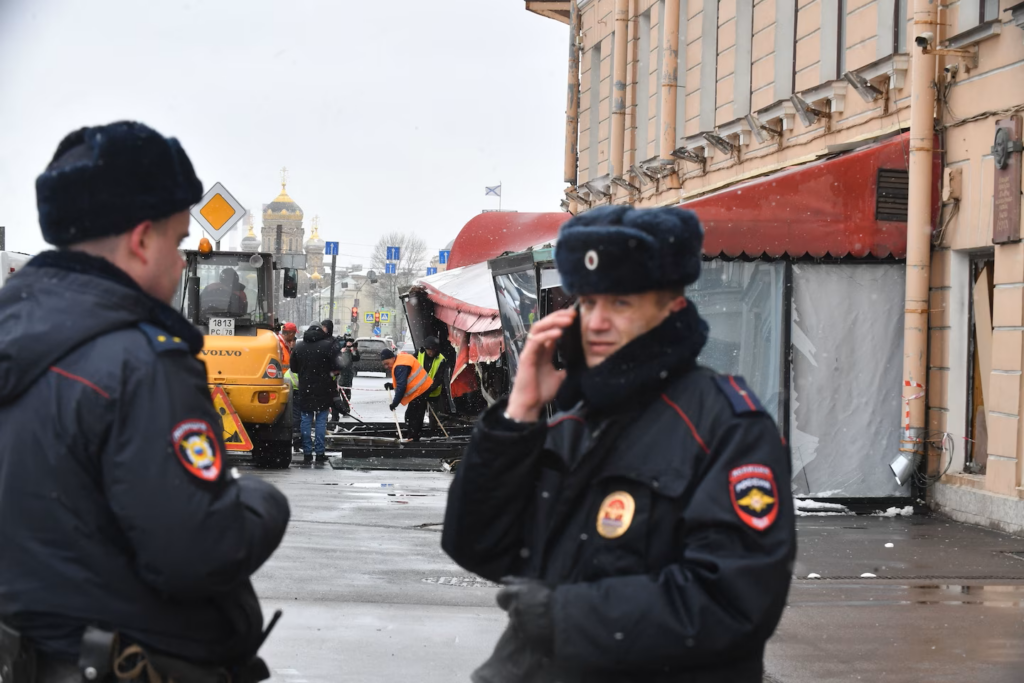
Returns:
(156, 312)
(639, 369)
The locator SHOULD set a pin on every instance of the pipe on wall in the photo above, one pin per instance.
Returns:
(572, 105)
(919, 218)
(616, 152)
(669, 79)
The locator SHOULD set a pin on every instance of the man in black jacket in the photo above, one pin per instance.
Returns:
(314, 360)
(117, 508)
(646, 532)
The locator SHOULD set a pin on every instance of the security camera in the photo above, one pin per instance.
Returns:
(952, 69)
(924, 40)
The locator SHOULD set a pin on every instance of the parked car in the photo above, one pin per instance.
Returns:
(369, 354)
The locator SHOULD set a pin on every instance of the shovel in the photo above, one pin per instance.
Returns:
(432, 412)
(395, 415)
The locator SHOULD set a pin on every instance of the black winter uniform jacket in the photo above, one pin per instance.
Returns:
(686, 586)
(116, 506)
(313, 360)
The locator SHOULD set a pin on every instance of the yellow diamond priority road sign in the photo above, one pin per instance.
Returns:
(217, 212)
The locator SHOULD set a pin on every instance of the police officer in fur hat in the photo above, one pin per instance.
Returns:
(119, 514)
(645, 531)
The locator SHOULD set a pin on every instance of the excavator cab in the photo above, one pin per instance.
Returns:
(229, 296)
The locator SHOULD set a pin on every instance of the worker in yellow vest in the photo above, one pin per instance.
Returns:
(411, 384)
(432, 360)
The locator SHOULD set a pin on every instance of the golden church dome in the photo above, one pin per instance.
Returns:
(315, 245)
(283, 207)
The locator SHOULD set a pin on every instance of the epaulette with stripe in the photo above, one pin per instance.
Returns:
(741, 398)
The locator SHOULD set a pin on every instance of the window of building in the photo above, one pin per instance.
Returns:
(841, 39)
(643, 84)
(901, 26)
(989, 10)
(708, 65)
(979, 367)
(595, 110)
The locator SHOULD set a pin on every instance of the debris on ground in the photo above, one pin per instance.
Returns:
(805, 507)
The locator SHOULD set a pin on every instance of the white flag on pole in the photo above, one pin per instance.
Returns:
(492, 191)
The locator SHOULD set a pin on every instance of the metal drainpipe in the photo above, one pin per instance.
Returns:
(572, 106)
(919, 216)
(669, 79)
(618, 94)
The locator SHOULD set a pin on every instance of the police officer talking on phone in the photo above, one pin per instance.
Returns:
(645, 532)
(126, 542)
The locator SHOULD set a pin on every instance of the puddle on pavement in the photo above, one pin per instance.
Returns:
(949, 594)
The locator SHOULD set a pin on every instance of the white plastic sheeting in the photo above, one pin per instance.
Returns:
(845, 400)
(743, 305)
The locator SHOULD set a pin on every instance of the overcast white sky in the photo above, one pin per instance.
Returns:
(388, 115)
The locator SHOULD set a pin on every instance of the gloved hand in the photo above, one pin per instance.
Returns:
(528, 603)
(513, 661)
(390, 387)
(393, 406)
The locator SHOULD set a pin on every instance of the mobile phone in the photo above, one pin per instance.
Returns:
(569, 347)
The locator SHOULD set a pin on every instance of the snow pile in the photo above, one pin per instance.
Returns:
(805, 507)
(896, 512)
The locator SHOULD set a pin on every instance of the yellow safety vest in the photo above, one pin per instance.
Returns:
(434, 367)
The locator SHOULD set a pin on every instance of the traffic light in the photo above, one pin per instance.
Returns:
(376, 316)
(355, 314)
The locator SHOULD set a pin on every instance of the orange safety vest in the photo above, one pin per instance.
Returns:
(419, 381)
(286, 354)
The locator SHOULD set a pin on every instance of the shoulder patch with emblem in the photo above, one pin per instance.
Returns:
(615, 514)
(161, 341)
(754, 495)
(742, 399)
(197, 448)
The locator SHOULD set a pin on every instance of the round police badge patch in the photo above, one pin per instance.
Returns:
(197, 448)
(591, 260)
(615, 514)
(754, 495)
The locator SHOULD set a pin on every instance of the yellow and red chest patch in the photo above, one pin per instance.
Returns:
(754, 495)
(197, 449)
(615, 514)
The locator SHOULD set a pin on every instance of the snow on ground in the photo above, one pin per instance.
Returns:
(907, 511)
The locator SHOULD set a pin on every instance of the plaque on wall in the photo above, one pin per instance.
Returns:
(1006, 152)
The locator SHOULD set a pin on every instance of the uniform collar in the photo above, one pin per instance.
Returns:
(641, 368)
(156, 312)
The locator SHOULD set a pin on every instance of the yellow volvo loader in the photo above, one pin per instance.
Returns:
(229, 296)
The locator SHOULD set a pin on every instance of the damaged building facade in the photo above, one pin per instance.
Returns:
(788, 126)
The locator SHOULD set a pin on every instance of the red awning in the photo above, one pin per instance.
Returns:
(823, 208)
(493, 233)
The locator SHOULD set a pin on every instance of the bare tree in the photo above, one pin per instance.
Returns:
(410, 266)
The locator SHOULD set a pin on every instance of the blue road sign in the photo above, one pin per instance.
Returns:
(368, 318)
(331, 248)
(431, 271)
(390, 268)
(443, 256)
(394, 254)
(376, 331)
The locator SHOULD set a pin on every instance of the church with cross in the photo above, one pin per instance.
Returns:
(283, 233)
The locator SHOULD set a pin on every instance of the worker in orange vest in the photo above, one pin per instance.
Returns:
(287, 339)
(411, 384)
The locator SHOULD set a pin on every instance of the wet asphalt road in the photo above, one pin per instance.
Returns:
(368, 595)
